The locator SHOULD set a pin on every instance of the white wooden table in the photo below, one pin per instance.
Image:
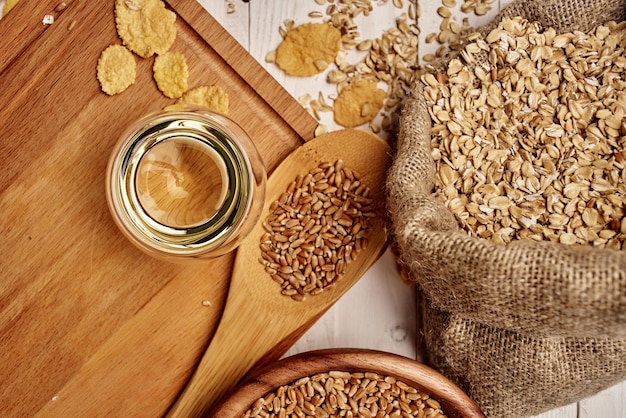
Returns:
(380, 311)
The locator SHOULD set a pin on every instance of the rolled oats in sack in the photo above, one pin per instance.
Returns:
(507, 203)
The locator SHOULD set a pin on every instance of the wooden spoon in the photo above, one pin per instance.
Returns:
(258, 321)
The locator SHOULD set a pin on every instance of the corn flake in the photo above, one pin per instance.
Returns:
(171, 74)
(212, 97)
(116, 69)
(146, 27)
(8, 6)
(358, 103)
(308, 49)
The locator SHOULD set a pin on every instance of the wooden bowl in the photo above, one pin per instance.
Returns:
(454, 402)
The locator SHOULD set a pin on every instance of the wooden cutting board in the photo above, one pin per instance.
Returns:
(89, 325)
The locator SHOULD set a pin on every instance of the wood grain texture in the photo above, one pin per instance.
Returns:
(89, 326)
(258, 322)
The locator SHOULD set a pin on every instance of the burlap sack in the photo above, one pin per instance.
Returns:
(515, 375)
(522, 327)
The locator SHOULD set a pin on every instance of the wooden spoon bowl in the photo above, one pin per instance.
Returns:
(259, 323)
(454, 402)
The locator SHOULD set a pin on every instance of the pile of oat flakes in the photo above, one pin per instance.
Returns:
(389, 64)
(585, 203)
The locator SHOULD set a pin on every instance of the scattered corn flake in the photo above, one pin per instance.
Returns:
(212, 97)
(146, 27)
(358, 103)
(116, 69)
(171, 74)
(308, 49)
(8, 6)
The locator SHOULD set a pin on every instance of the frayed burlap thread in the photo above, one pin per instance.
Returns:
(496, 313)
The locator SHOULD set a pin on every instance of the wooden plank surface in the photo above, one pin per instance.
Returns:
(89, 326)
(378, 312)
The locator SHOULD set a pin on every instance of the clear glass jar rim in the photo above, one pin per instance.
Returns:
(203, 240)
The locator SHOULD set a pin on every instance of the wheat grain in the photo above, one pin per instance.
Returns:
(315, 229)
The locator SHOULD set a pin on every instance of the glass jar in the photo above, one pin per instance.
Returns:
(185, 183)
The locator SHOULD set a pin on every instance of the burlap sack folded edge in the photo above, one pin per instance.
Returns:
(505, 286)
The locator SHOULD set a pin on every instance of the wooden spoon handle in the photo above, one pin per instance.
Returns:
(258, 321)
(219, 369)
